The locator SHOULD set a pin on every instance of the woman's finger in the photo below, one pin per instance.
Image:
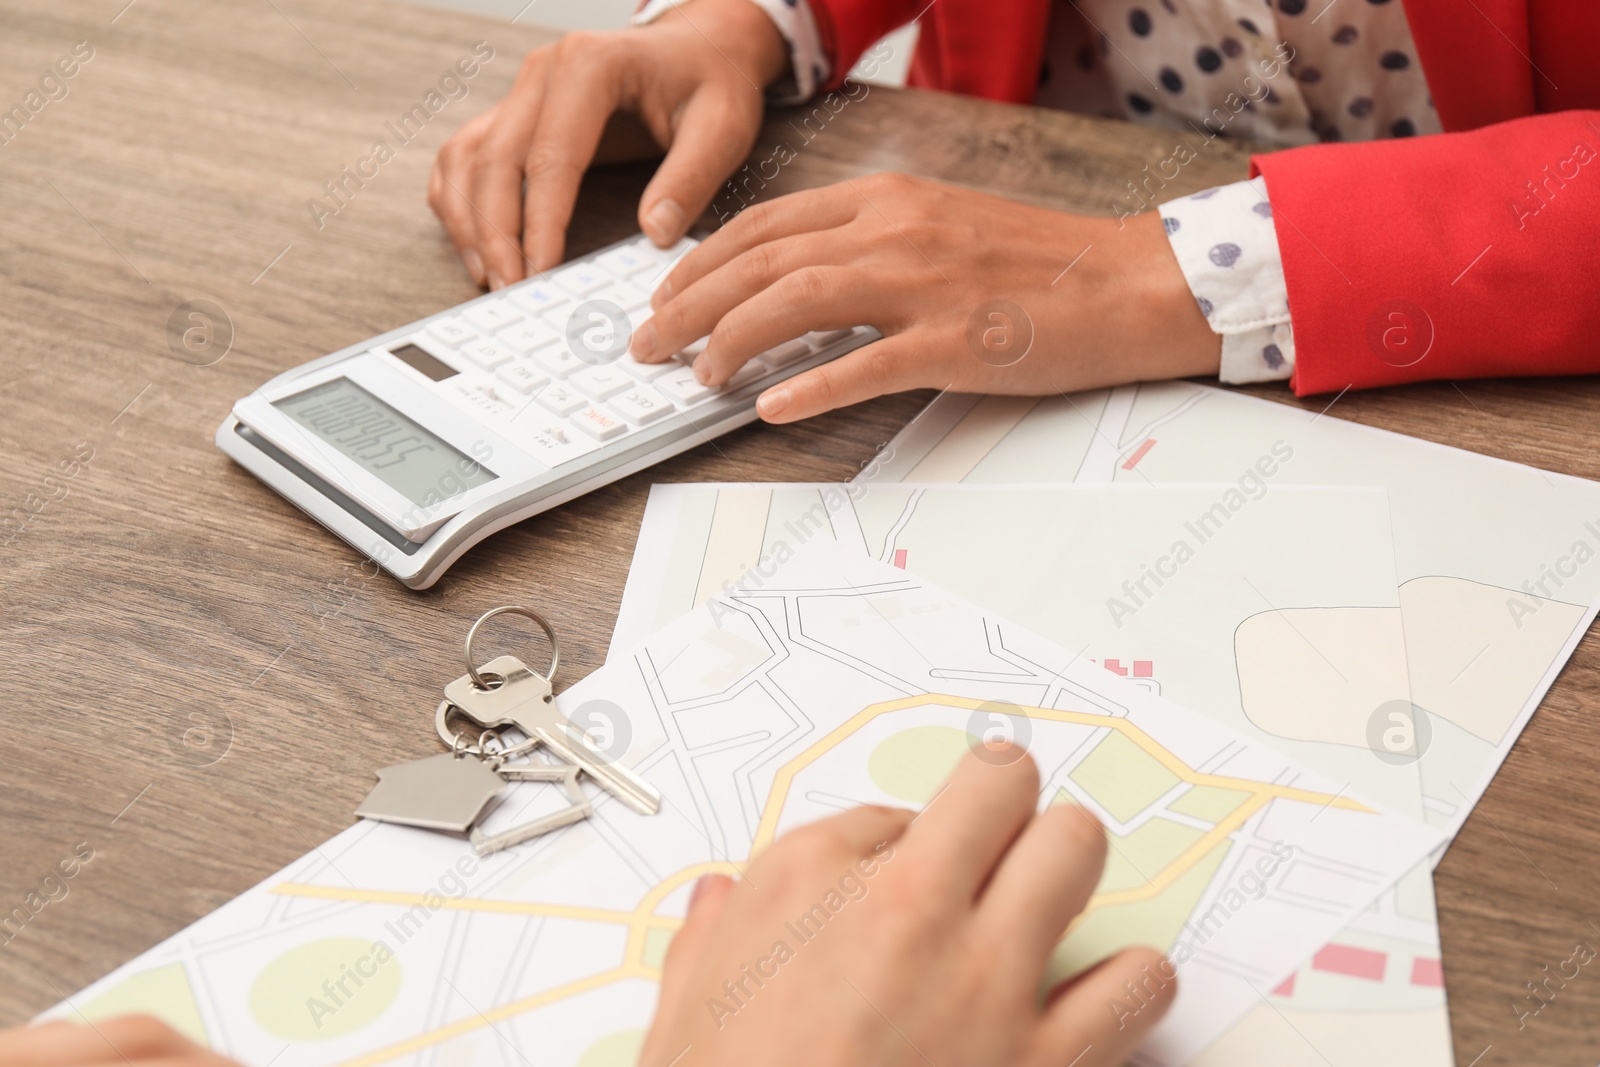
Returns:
(712, 137)
(580, 95)
(894, 364)
(812, 298)
(451, 176)
(698, 310)
(494, 196)
(802, 212)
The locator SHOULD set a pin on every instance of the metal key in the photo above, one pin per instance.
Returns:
(524, 699)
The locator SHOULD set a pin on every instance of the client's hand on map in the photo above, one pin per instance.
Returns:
(881, 938)
(136, 1040)
(972, 292)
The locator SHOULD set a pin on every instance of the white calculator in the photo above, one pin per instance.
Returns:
(415, 445)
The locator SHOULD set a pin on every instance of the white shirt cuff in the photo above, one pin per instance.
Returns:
(1228, 252)
(808, 63)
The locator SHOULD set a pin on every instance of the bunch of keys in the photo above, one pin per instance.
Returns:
(454, 790)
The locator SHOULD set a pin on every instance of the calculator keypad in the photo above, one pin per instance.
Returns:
(602, 383)
(522, 377)
(518, 372)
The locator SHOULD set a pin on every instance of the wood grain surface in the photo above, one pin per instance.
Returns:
(198, 681)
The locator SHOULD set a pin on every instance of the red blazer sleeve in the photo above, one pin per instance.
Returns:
(975, 47)
(849, 27)
(1461, 255)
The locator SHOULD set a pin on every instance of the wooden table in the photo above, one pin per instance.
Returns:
(162, 592)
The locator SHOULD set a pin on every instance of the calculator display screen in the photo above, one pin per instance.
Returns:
(417, 464)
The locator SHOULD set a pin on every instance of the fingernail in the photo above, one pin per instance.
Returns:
(774, 402)
(644, 341)
(474, 264)
(699, 890)
(495, 282)
(664, 222)
(702, 369)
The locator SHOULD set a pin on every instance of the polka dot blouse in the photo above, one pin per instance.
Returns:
(1284, 72)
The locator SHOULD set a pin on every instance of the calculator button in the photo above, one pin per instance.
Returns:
(646, 372)
(627, 297)
(642, 405)
(625, 261)
(787, 353)
(746, 374)
(599, 425)
(492, 315)
(558, 360)
(523, 377)
(661, 260)
(823, 338)
(538, 298)
(480, 398)
(562, 399)
(452, 331)
(682, 387)
(555, 444)
(647, 249)
(528, 336)
(602, 382)
(582, 279)
(486, 354)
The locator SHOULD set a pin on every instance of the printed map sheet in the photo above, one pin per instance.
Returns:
(840, 681)
(1496, 560)
(1280, 620)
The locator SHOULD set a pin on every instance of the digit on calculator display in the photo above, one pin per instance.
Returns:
(417, 464)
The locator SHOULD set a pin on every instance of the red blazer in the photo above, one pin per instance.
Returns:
(1475, 253)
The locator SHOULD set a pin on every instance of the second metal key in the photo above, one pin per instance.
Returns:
(523, 698)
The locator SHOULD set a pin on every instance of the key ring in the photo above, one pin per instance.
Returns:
(512, 609)
(460, 747)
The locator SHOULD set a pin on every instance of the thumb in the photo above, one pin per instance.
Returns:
(1109, 1008)
(683, 957)
(885, 366)
(713, 136)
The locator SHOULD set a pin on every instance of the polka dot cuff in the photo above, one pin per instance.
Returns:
(1228, 251)
(808, 63)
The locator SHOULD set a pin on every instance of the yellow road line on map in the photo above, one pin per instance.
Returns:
(640, 922)
(784, 779)
(1185, 860)
(478, 1020)
(503, 907)
(642, 919)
